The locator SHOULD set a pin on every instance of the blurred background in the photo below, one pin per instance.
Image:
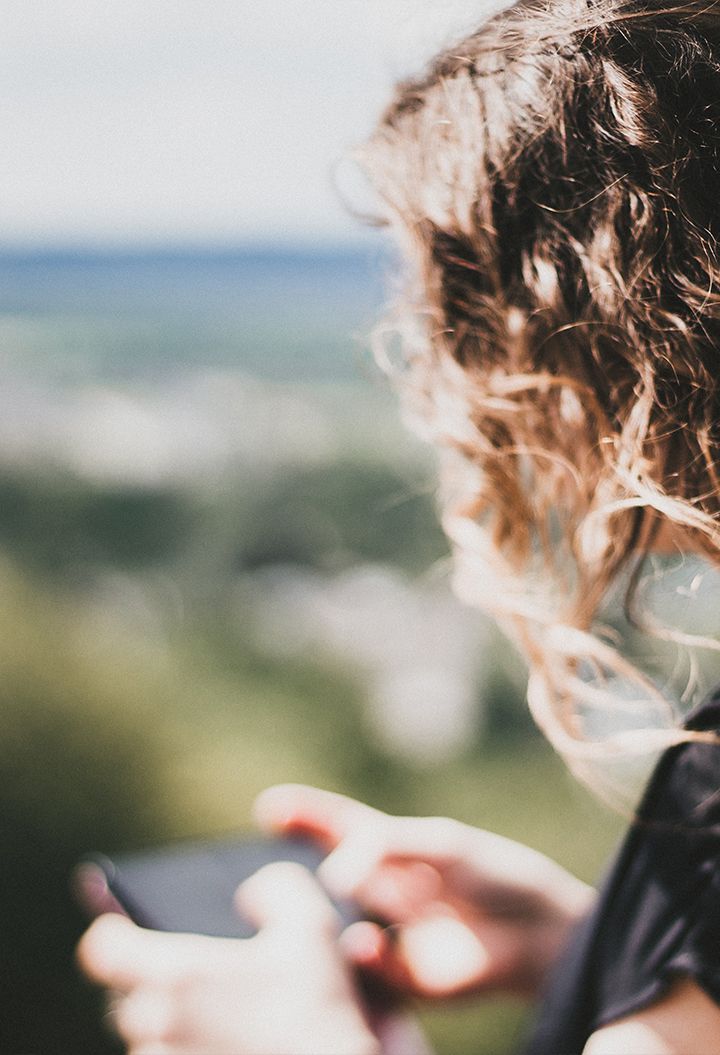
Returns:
(220, 565)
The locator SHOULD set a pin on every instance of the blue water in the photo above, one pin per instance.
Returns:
(291, 314)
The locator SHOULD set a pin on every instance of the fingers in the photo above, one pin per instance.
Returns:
(371, 949)
(443, 956)
(359, 835)
(285, 895)
(435, 957)
(298, 808)
(416, 847)
(116, 953)
(363, 944)
(395, 867)
(346, 869)
(351, 827)
(103, 951)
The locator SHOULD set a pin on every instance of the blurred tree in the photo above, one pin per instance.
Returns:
(338, 514)
(60, 524)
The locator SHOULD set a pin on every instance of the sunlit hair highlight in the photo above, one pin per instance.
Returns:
(554, 181)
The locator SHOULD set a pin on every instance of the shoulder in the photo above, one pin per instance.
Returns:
(683, 795)
(659, 921)
(685, 1021)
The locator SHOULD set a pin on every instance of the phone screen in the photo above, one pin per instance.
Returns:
(190, 887)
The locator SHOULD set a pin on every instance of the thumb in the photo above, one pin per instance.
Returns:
(286, 895)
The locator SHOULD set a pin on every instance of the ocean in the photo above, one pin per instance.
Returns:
(296, 314)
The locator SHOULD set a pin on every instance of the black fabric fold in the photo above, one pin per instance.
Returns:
(657, 917)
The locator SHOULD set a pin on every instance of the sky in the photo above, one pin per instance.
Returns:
(150, 122)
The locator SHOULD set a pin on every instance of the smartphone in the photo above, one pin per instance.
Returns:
(190, 887)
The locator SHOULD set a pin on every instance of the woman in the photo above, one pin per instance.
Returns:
(553, 181)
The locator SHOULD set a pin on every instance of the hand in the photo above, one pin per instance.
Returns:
(468, 911)
(286, 991)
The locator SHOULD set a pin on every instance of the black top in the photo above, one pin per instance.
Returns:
(658, 913)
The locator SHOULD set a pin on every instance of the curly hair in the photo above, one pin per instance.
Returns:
(555, 183)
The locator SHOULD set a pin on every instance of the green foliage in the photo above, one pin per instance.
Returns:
(115, 736)
(81, 766)
(102, 746)
(58, 524)
(325, 516)
(335, 515)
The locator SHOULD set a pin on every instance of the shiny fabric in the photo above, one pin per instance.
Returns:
(658, 913)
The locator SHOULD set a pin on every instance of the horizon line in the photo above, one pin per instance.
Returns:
(192, 247)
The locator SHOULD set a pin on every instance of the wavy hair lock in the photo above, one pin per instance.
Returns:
(554, 179)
